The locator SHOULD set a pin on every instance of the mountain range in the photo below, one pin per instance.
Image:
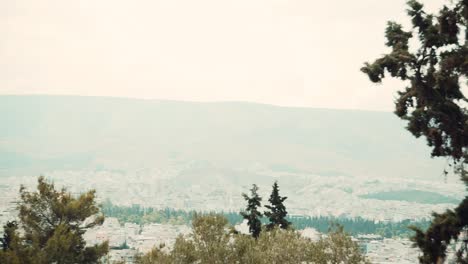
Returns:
(43, 133)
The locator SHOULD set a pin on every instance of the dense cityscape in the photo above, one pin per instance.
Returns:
(308, 195)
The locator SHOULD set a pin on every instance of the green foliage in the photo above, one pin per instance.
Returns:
(433, 102)
(338, 247)
(358, 225)
(277, 213)
(12, 249)
(251, 214)
(52, 225)
(9, 236)
(353, 226)
(141, 216)
(444, 228)
(156, 255)
(210, 238)
(213, 241)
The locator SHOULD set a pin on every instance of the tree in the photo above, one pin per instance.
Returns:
(338, 247)
(12, 251)
(208, 243)
(277, 213)
(211, 238)
(9, 235)
(433, 102)
(212, 241)
(52, 225)
(156, 255)
(251, 214)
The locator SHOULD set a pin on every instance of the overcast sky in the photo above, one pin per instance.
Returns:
(283, 52)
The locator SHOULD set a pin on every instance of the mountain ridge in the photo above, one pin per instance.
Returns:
(64, 96)
(40, 133)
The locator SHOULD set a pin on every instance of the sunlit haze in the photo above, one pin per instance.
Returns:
(292, 53)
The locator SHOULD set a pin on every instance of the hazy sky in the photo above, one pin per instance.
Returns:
(284, 52)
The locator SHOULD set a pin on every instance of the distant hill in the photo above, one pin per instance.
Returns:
(416, 196)
(40, 133)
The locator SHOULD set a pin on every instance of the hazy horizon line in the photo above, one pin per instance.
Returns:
(188, 101)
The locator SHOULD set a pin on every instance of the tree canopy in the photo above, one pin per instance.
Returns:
(433, 100)
(432, 60)
(214, 241)
(51, 227)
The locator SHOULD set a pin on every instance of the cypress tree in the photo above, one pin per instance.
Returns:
(277, 213)
(251, 214)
